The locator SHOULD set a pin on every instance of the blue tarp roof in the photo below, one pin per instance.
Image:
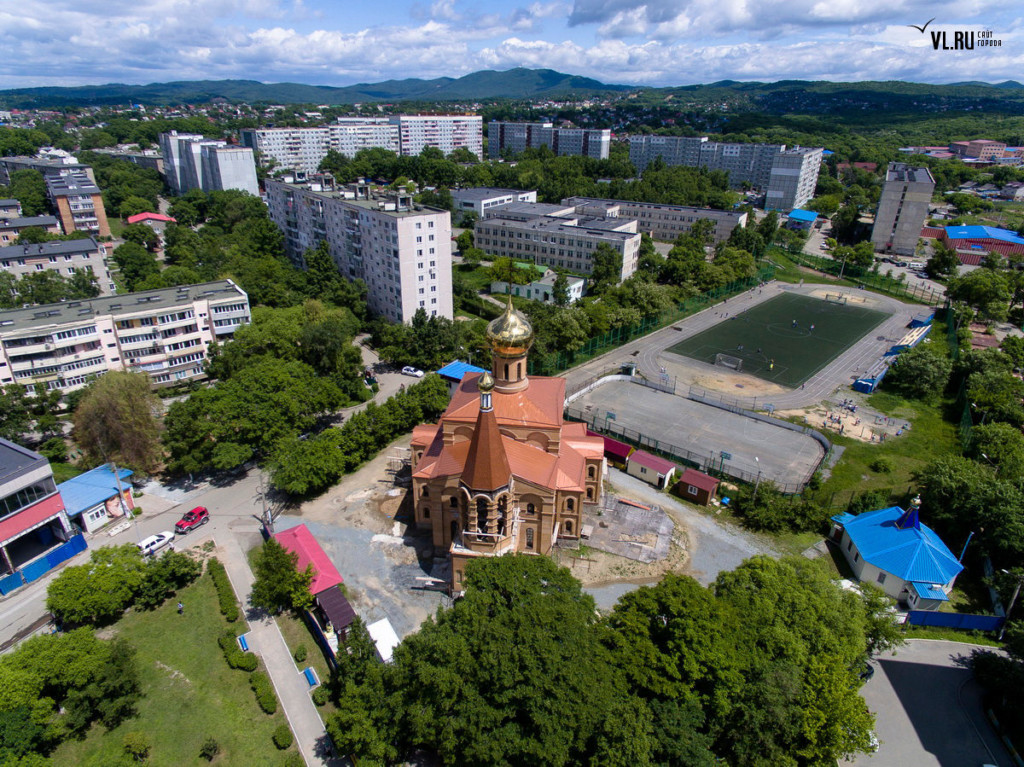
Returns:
(90, 489)
(912, 554)
(929, 591)
(456, 370)
(982, 233)
(803, 215)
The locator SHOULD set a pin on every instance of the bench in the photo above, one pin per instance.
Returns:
(243, 643)
(310, 675)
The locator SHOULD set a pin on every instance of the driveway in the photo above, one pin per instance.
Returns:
(928, 709)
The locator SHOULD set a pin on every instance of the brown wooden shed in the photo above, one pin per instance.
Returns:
(697, 487)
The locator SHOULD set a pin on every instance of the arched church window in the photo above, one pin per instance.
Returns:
(529, 537)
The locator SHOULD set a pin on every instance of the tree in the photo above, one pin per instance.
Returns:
(998, 395)
(464, 241)
(943, 263)
(97, 592)
(28, 188)
(32, 235)
(279, 584)
(919, 373)
(141, 234)
(116, 419)
(985, 290)
(606, 267)
(135, 264)
(134, 205)
(560, 290)
(15, 412)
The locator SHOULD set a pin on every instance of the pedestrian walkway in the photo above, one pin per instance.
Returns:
(266, 641)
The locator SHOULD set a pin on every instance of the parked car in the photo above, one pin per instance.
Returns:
(154, 543)
(867, 672)
(192, 519)
(409, 370)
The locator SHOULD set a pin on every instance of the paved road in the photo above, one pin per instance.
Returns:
(928, 710)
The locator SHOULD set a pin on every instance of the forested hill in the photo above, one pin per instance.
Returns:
(488, 84)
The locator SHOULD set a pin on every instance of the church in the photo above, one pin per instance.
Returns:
(502, 472)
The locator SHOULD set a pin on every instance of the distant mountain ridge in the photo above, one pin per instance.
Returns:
(513, 83)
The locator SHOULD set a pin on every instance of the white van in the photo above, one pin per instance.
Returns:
(154, 543)
(915, 265)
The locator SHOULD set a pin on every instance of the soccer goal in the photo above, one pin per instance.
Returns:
(836, 298)
(728, 361)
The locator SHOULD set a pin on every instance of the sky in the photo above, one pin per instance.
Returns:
(637, 42)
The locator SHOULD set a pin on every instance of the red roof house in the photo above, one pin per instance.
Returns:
(141, 218)
(302, 542)
(650, 468)
(696, 486)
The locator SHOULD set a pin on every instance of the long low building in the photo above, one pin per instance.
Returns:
(662, 222)
(973, 243)
(11, 228)
(61, 256)
(164, 333)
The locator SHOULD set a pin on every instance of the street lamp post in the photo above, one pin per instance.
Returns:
(757, 482)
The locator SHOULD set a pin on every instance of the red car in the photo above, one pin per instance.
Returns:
(192, 519)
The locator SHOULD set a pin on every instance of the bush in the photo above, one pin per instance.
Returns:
(209, 749)
(321, 695)
(260, 684)
(234, 654)
(300, 653)
(881, 466)
(283, 737)
(136, 745)
(294, 759)
(225, 592)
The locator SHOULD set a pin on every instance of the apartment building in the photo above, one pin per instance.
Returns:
(517, 137)
(662, 222)
(194, 162)
(11, 228)
(61, 256)
(978, 149)
(445, 132)
(787, 176)
(303, 149)
(78, 203)
(555, 241)
(902, 209)
(480, 199)
(401, 250)
(10, 208)
(48, 166)
(164, 333)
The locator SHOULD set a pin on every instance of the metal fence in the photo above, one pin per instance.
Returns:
(555, 362)
(962, 621)
(39, 567)
(869, 279)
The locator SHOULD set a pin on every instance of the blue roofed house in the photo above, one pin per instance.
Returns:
(892, 549)
(801, 219)
(453, 372)
(91, 498)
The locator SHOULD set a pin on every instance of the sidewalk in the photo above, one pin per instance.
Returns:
(266, 641)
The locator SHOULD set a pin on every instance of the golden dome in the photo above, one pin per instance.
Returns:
(486, 382)
(510, 334)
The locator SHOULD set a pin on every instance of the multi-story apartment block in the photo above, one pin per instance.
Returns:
(11, 228)
(45, 165)
(787, 177)
(164, 333)
(61, 256)
(555, 241)
(401, 250)
(480, 199)
(902, 209)
(662, 222)
(445, 132)
(10, 208)
(194, 162)
(79, 203)
(518, 137)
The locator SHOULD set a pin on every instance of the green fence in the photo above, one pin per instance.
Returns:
(868, 278)
(555, 362)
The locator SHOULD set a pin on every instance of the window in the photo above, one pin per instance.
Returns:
(570, 504)
(691, 490)
(849, 545)
(425, 493)
(426, 512)
(530, 508)
(453, 502)
(529, 538)
(856, 557)
(881, 578)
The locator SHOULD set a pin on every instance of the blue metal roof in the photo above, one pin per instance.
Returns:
(912, 554)
(983, 233)
(929, 591)
(456, 370)
(90, 489)
(803, 215)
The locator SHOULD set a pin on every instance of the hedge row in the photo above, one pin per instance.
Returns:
(260, 684)
(234, 655)
(225, 593)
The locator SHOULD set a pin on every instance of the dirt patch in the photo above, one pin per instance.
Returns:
(864, 425)
(599, 568)
(174, 674)
(738, 384)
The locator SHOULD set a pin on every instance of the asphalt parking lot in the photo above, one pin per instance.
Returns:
(928, 710)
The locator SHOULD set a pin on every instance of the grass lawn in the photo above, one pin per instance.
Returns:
(952, 635)
(477, 277)
(296, 633)
(786, 339)
(190, 693)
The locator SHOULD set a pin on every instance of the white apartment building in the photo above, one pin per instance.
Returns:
(446, 132)
(787, 177)
(480, 199)
(902, 209)
(555, 241)
(662, 222)
(401, 250)
(164, 333)
(195, 162)
(62, 257)
(517, 137)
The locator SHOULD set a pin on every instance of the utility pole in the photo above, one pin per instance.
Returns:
(120, 499)
(267, 515)
(757, 482)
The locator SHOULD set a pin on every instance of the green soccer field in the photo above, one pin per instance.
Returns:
(775, 340)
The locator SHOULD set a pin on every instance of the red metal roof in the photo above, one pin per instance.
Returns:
(302, 542)
(612, 447)
(644, 458)
(16, 524)
(699, 479)
(151, 217)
